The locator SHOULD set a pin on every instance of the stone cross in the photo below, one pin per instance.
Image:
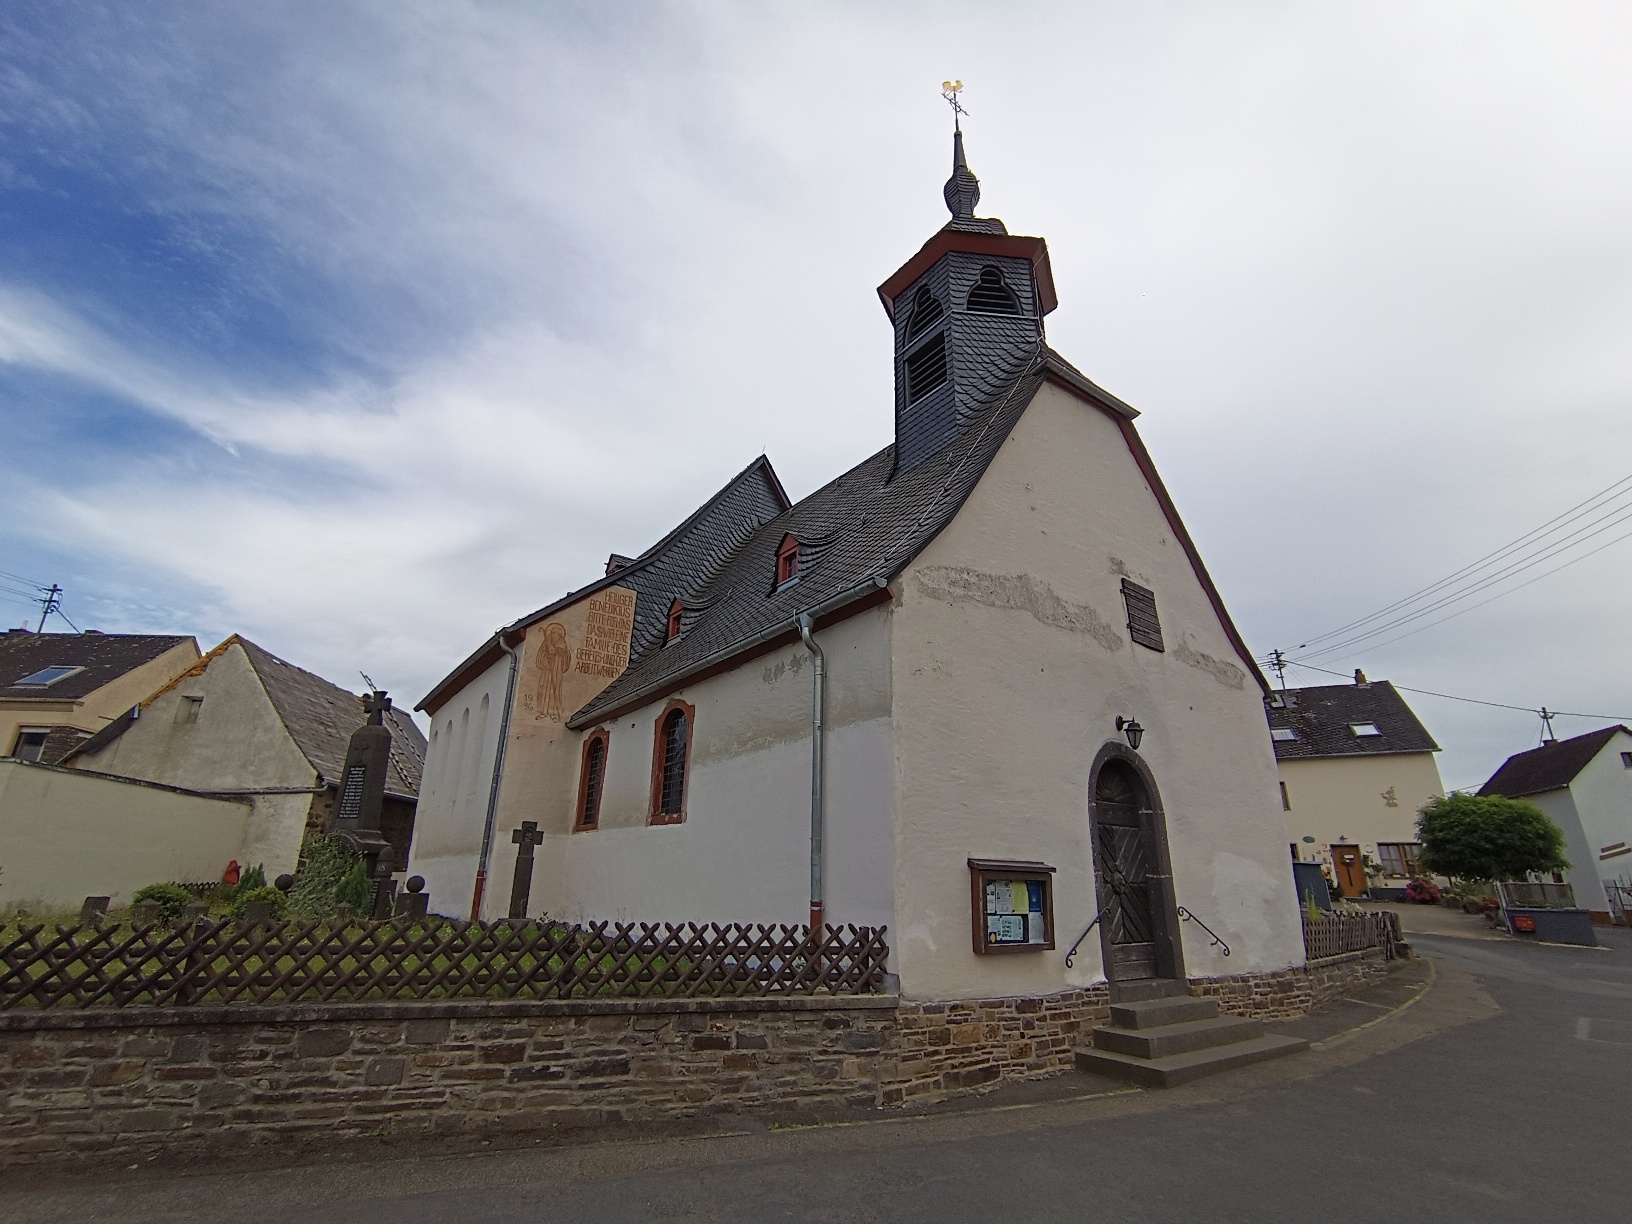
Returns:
(521, 886)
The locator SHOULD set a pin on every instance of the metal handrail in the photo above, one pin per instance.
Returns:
(1071, 955)
(1217, 942)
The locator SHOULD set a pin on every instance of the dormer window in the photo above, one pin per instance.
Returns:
(992, 295)
(787, 562)
(676, 612)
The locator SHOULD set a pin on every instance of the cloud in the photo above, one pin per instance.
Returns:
(403, 315)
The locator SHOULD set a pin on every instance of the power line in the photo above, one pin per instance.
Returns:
(1501, 705)
(1548, 551)
(1481, 603)
(1567, 517)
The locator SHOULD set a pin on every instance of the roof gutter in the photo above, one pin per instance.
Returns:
(645, 694)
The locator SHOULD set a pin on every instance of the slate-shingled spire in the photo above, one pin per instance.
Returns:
(968, 312)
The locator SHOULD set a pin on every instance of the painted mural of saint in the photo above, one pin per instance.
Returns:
(553, 660)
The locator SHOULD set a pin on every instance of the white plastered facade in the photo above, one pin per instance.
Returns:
(1359, 800)
(1595, 813)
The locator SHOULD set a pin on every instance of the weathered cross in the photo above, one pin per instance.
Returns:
(521, 886)
(375, 705)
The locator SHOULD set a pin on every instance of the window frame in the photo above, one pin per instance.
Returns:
(580, 823)
(676, 625)
(1411, 859)
(17, 742)
(992, 871)
(1283, 735)
(1365, 730)
(787, 562)
(659, 760)
(67, 670)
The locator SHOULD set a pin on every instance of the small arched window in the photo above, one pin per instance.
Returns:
(671, 757)
(592, 779)
(787, 561)
(926, 312)
(991, 293)
(676, 614)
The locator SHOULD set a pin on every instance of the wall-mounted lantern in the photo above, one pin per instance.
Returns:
(1130, 727)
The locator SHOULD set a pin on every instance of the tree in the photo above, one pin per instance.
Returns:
(1488, 837)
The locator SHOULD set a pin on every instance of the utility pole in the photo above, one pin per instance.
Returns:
(1547, 717)
(1277, 664)
(49, 604)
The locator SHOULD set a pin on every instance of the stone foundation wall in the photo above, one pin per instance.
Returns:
(75, 1085)
(79, 1085)
(946, 1048)
(1295, 991)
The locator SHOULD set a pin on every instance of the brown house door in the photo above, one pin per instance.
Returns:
(1351, 872)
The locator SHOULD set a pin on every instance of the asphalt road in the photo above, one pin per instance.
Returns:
(1503, 1093)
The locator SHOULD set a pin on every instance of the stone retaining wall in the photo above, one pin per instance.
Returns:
(139, 1082)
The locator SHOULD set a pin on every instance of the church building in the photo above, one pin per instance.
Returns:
(978, 690)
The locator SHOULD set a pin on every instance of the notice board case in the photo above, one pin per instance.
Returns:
(1011, 904)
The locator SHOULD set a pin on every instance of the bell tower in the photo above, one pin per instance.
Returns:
(968, 314)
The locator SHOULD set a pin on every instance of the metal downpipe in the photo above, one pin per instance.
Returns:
(818, 811)
(498, 775)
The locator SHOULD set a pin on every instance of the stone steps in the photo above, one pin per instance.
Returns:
(1161, 1036)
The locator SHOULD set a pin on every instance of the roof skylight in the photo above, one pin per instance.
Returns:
(1364, 729)
(47, 676)
(1282, 735)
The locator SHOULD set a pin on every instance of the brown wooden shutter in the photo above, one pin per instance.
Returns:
(1143, 626)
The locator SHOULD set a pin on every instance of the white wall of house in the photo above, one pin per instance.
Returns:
(237, 741)
(1012, 662)
(1361, 800)
(66, 834)
(1603, 801)
(1560, 806)
(742, 854)
(453, 794)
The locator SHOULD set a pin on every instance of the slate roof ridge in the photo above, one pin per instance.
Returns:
(493, 645)
(1551, 766)
(1321, 716)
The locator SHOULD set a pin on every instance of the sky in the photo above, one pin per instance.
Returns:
(362, 329)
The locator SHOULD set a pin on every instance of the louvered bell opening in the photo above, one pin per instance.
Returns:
(1143, 625)
(926, 312)
(991, 295)
(926, 368)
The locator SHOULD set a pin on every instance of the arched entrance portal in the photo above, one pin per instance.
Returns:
(1132, 875)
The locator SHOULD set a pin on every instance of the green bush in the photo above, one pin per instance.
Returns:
(356, 890)
(328, 863)
(1487, 837)
(249, 881)
(241, 900)
(172, 899)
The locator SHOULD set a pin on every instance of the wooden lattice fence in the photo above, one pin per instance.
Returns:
(287, 962)
(1336, 933)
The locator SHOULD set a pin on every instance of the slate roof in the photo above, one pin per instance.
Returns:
(1321, 717)
(860, 529)
(678, 564)
(1550, 767)
(320, 718)
(104, 656)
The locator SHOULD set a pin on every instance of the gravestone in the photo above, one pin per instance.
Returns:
(93, 910)
(362, 797)
(145, 913)
(257, 913)
(521, 885)
(385, 889)
(415, 901)
(197, 912)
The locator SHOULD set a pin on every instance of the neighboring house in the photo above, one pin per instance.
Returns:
(992, 596)
(1585, 785)
(1355, 767)
(58, 688)
(242, 723)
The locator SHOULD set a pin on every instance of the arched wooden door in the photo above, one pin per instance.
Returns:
(1132, 877)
